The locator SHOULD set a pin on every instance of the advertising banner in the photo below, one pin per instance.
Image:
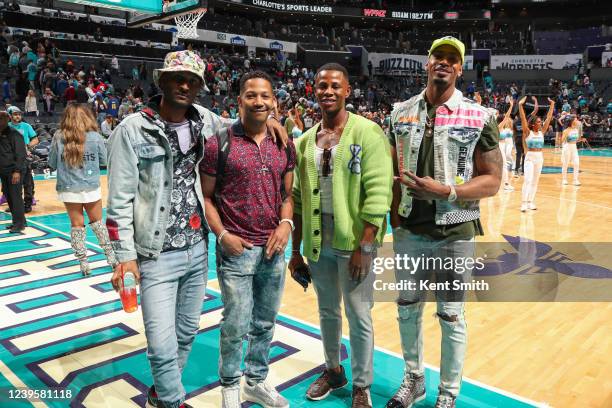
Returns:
(510, 62)
(404, 64)
(292, 7)
(246, 40)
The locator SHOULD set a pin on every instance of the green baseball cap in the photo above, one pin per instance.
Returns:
(453, 42)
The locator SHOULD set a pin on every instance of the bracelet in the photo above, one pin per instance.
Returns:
(220, 237)
(290, 222)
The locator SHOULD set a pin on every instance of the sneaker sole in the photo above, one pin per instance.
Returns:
(421, 398)
(417, 399)
(247, 397)
(322, 397)
(149, 405)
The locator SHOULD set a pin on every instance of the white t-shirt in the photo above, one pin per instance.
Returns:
(183, 133)
(326, 183)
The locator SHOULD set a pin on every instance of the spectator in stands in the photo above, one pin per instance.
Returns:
(31, 104)
(137, 92)
(566, 106)
(49, 99)
(135, 74)
(123, 109)
(69, 94)
(81, 94)
(98, 36)
(77, 152)
(14, 62)
(32, 73)
(6, 90)
(12, 169)
(107, 126)
(100, 107)
(142, 71)
(61, 86)
(114, 65)
(91, 93)
(470, 90)
(112, 104)
(22, 86)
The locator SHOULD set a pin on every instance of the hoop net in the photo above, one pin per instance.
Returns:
(187, 24)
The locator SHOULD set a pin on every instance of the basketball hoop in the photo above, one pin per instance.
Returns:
(187, 24)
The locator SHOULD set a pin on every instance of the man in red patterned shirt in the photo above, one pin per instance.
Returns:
(250, 211)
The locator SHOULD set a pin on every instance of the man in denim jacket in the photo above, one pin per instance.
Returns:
(155, 216)
(446, 155)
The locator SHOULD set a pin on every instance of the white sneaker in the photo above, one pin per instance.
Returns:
(564, 182)
(532, 206)
(577, 183)
(523, 207)
(264, 394)
(508, 187)
(230, 396)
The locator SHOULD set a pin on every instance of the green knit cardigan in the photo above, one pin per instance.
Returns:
(362, 185)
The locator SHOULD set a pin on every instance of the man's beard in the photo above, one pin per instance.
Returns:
(440, 81)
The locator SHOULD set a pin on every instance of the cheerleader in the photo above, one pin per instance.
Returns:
(533, 143)
(505, 145)
(569, 152)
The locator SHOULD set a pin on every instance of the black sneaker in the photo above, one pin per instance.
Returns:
(151, 398)
(410, 391)
(16, 229)
(445, 401)
(27, 210)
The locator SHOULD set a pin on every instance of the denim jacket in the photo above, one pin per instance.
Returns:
(140, 169)
(83, 178)
(457, 128)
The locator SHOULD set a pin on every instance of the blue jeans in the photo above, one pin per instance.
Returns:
(450, 306)
(251, 289)
(333, 285)
(171, 294)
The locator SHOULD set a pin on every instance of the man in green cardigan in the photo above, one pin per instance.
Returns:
(342, 193)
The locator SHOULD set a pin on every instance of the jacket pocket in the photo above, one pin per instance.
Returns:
(150, 152)
(463, 136)
(150, 163)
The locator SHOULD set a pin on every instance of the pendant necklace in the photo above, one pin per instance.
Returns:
(429, 126)
(264, 167)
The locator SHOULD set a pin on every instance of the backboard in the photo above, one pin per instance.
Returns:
(166, 9)
(140, 6)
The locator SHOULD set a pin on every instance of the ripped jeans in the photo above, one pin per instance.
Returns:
(450, 303)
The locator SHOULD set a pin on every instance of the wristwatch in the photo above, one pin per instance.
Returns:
(452, 196)
(368, 249)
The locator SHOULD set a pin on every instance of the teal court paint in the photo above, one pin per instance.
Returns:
(66, 331)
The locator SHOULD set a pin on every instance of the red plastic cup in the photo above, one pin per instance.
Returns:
(128, 293)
